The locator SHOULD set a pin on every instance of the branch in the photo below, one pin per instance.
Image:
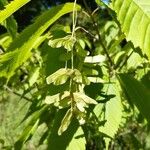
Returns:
(99, 36)
(18, 94)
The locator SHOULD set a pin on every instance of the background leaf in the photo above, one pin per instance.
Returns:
(137, 93)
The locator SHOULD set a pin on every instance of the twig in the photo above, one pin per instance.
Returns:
(86, 31)
(95, 11)
(74, 21)
(18, 94)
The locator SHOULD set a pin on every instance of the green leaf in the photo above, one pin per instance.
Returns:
(60, 100)
(134, 61)
(11, 26)
(11, 8)
(82, 97)
(81, 105)
(10, 23)
(78, 142)
(51, 60)
(65, 122)
(65, 56)
(119, 57)
(61, 142)
(93, 90)
(113, 113)
(5, 40)
(134, 17)
(99, 2)
(79, 48)
(40, 40)
(34, 76)
(77, 76)
(52, 99)
(30, 128)
(67, 42)
(60, 76)
(8, 62)
(136, 93)
(24, 43)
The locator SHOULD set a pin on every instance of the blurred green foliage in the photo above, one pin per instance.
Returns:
(73, 82)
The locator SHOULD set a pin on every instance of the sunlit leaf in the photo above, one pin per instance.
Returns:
(134, 17)
(52, 99)
(77, 76)
(95, 59)
(113, 113)
(78, 141)
(81, 106)
(60, 76)
(60, 100)
(33, 78)
(67, 42)
(82, 97)
(11, 8)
